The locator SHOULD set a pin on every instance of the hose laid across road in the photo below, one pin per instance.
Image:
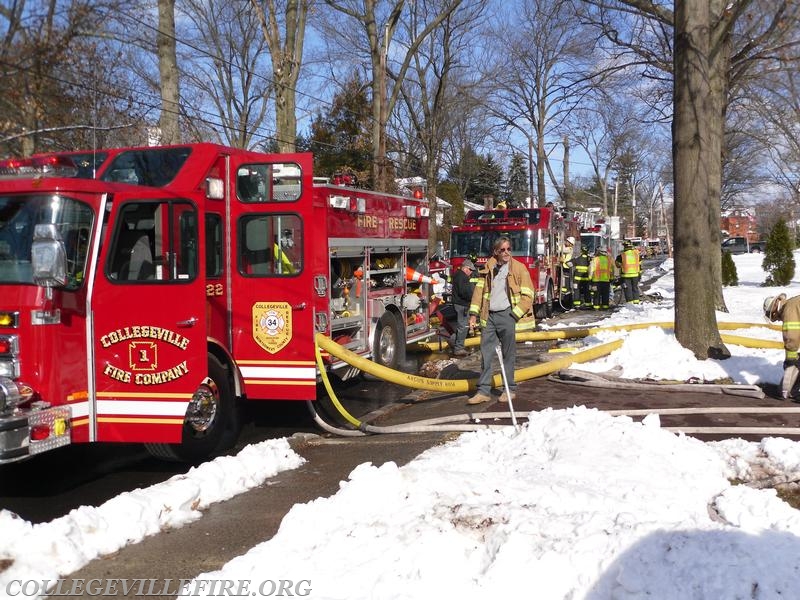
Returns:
(467, 385)
(582, 332)
(426, 383)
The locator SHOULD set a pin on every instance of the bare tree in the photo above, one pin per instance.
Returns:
(540, 77)
(778, 110)
(711, 59)
(378, 28)
(429, 93)
(168, 70)
(50, 98)
(225, 72)
(602, 127)
(287, 57)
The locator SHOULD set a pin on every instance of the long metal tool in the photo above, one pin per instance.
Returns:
(499, 351)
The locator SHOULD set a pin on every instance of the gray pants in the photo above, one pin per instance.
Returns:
(462, 326)
(500, 326)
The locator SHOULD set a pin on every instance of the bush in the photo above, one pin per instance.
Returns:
(729, 274)
(778, 259)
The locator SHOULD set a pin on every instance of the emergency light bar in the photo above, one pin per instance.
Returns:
(341, 202)
(415, 212)
(38, 166)
(356, 205)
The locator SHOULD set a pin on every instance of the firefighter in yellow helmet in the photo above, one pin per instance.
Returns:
(601, 272)
(779, 308)
(629, 264)
(580, 287)
(566, 265)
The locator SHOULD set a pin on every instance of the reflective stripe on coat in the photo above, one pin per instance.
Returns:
(519, 288)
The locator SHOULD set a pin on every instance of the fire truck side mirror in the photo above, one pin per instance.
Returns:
(48, 257)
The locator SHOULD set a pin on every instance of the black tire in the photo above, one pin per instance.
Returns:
(212, 422)
(389, 348)
(545, 310)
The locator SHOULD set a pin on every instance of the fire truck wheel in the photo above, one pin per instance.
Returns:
(389, 347)
(212, 421)
(545, 310)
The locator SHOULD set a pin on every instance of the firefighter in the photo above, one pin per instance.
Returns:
(580, 285)
(503, 300)
(601, 272)
(463, 285)
(286, 242)
(629, 264)
(565, 259)
(778, 308)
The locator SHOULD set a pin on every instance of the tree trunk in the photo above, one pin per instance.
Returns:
(719, 67)
(286, 61)
(285, 115)
(541, 160)
(168, 70)
(696, 174)
(433, 227)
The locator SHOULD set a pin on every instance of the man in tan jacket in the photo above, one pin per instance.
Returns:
(503, 300)
(779, 308)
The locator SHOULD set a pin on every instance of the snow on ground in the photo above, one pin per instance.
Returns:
(64, 545)
(577, 504)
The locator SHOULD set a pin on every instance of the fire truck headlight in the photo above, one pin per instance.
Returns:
(9, 368)
(10, 394)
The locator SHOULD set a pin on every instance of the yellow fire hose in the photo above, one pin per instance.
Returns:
(427, 383)
(571, 333)
(466, 385)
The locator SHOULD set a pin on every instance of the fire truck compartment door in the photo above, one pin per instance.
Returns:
(280, 243)
(148, 321)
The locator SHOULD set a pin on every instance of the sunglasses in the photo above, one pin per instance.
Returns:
(504, 250)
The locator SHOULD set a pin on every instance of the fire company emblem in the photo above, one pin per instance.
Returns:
(272, 325)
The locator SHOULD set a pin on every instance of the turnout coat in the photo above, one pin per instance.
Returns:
(519, 288)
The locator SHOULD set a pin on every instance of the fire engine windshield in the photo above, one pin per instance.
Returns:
(19, 214)
(154, 167)
(592, 242)
(479, 243)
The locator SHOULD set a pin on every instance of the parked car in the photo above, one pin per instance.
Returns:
(740, 245)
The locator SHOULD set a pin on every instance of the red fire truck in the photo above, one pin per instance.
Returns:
(537, 236)
(147, 292)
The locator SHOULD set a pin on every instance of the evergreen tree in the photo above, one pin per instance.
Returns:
(487, 181)
(778, 259)
(516, 191)
(729, 274)
(340, 139)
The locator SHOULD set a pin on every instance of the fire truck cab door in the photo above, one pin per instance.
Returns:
(149, 326)
(280, 244)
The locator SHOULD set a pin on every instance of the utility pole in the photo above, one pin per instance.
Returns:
(567, 188)
(533, 202)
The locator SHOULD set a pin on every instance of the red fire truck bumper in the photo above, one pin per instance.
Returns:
(29, 432)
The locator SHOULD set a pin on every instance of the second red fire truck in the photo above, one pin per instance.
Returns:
(537, 236)
(145, 293)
